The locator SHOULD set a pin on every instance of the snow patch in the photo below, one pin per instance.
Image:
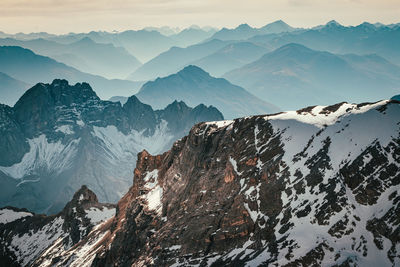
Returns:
(30, 245)
(97, 215)
(8, 215)
(66, 129)
(54, 157)
(220, 124)
(234, 165)
(119, 144)
(155, 193)
(315, 117)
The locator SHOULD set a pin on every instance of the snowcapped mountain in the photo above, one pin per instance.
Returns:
(318, 186)
(58, 137)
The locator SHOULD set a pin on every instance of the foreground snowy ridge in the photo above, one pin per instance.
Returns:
(319, 186)
(25, 236)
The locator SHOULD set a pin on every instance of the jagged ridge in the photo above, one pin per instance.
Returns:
(319, 186)
(60, 136)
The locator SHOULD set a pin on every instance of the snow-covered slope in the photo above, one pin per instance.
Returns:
(60, 136)
(315, 187)
(25, 236)
(9, 214)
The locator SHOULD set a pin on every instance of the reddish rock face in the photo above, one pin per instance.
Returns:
(230, 196)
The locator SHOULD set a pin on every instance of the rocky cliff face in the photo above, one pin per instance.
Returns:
(24, 236)
(60, 136)
(319, 186)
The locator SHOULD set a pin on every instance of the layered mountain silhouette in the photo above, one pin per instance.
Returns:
(317, 186)
(175, 59)
(11, 89)
(143, 44)
(365, 38)
(85, 55)
(60, 136)
(294, 75)
(230, 57)
(191, 36)
(194, 86)
(26, 66)
(244, 31)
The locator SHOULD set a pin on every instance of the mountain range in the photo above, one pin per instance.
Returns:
(294, 75)
(24, 65)
(143, 44)
(195, 86)
(77, 219)
(365, 38)
(85, 55)
(191, 161)
(175, 59)
(313, 187)
(244, 31)
(60, 136)
(230, 57)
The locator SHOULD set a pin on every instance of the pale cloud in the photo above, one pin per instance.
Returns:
(85, 15)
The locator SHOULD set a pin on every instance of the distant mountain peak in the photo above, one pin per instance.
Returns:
(367, 26)
(277, 23)
(85, 40)
(333, 23)
(292, 47)
(84, 194)
(59, 92)
(60, 82)
(243, 26)
(192, 70)
(177, 105)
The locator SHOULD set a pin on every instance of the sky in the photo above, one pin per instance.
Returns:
(63, 16)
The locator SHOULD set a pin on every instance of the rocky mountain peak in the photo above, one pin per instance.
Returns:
(62, 132)
(82, 199)
(84, 195)
(44, 106)
(27, 236)
(177, 106)
(59, 92)
(244, 192)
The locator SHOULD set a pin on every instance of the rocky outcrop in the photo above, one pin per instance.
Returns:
(27, 236)
(60, 136)
(315, 187)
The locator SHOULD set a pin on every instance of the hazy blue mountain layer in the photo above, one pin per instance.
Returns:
(194, 86)
(294, 76)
